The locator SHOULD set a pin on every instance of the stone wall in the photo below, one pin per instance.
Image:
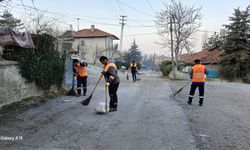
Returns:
(13, 87)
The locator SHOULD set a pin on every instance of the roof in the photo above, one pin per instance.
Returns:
(95, 33)
(205, 56)
(67, 34)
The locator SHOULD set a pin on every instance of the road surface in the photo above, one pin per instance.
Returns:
(147, 119)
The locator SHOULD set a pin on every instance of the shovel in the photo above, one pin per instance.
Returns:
(87, 100)
(177, 92)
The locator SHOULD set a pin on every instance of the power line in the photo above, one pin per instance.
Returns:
(80, 18)
(108, 6)
(149, 26)
(141, 34)
(134, 8)
(151, 7)
(121, 9)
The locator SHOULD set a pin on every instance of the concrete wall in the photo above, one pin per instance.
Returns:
(13, 87)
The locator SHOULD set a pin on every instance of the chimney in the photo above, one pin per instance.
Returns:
(71, 27)
(92, 28)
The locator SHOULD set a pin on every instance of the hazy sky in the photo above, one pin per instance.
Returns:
(105, 15)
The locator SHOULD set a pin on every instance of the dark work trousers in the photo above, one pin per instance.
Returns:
(194, 85)
(113, 95)
(133, 75)
(82, 82)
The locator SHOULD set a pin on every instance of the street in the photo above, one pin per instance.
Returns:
(223, 123)
(147, 119)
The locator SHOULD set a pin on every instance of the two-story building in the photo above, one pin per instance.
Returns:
(88, 44)
(92, 43)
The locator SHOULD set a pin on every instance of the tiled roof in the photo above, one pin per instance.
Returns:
(90, 33)
(206, 56)
(68, 34)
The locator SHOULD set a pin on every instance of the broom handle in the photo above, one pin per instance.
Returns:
(187, 83)
(96, 85)
(106, 98)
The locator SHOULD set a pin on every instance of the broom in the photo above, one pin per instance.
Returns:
(72, 91)
(87, 100)
(178, 91)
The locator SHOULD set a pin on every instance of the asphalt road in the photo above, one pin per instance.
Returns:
(147, 119)
(223, 123)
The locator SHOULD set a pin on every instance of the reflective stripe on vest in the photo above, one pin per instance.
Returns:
(82, 71)
(198, 73)
(106, 68)
(133, 65)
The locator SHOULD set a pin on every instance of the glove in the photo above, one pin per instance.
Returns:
(101, 75)
(107, 84)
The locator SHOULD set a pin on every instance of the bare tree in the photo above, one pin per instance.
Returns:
(185, 21)
(41, 23)
(4, 4)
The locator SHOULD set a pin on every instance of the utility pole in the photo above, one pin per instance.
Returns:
(172, 51)
(122, 19)
(153, 67)
(78, 23)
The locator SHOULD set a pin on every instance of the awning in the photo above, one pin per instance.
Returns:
(10, 37)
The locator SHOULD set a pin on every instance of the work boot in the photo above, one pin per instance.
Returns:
(201, 102)
(112, 109)
(189, 102)
(79, 92)
(84, 92)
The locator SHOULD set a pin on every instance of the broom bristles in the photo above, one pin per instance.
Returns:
(86, 101)
(71, 92)
(175, 93)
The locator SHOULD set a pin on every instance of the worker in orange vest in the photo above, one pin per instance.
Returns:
(133, 69)
(110, 73)
(198, 80)
(82, 76)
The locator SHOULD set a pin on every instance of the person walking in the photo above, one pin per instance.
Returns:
(82, 76)
(110, 73)
(133, 69)
(197, 75)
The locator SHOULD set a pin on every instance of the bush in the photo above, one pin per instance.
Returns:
(166, 67)
(41, 64)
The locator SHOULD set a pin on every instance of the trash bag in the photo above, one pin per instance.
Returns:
(100, 108)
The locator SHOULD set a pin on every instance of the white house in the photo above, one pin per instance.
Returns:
(92, 43)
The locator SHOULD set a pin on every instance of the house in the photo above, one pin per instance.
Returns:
(92, 43)
(88, 44)
(210, 58)
(206, 56)
(160, 59)
(65, 42)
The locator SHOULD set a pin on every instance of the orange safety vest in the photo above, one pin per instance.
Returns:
(106, 68)
(133, 65)
(198, 73)
(82, 71)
